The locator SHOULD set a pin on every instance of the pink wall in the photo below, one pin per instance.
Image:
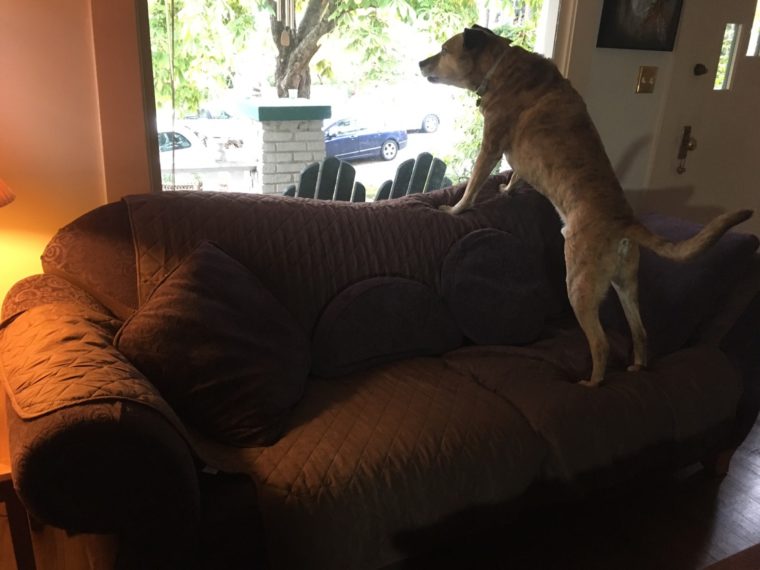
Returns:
(72, 129)
(50, 149)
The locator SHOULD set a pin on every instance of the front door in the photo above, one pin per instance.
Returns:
(714, 90)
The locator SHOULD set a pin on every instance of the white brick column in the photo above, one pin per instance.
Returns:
(287, 147)
(289, 137)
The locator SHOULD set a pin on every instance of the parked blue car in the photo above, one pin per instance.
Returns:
(348, 139)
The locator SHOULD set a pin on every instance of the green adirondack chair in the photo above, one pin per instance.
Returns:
(421, 174)
(331, 179)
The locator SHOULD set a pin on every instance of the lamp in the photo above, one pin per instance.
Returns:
(6, 194)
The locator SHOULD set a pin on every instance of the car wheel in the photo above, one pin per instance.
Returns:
(430, 123)
(389, 150)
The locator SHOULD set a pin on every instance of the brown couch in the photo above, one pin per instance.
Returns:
(244, 381)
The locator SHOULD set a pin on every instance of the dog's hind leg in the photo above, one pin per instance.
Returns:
(506, 188)
(588, 280)
(626, 285)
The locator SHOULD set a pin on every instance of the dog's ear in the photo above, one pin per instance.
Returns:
(478, 27)
(475, 38)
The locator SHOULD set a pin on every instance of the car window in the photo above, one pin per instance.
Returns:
(344, 127)
(172, 141)
(212, 113)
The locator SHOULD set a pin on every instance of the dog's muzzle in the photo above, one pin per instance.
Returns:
(427, 66)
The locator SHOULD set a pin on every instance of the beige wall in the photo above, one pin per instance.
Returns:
(50, 149)
(72, 134)
(627, 122)
(630, 124)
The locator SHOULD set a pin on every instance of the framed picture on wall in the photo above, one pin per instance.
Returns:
(639, 24)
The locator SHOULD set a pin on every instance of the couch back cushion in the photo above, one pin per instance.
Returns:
(220, 348)
(496, 287)
(308, 251)
(318, 259)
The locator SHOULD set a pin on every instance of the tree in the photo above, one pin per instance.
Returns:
(192, 44)
(194, 41)
(364, 20)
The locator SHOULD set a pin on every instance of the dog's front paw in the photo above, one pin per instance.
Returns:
(589, 383)
(453, 210)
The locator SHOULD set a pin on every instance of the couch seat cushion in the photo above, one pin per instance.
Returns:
(683, 395)
(223, 352)
(372, 457)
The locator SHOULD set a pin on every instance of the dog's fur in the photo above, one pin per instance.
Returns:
(534, 116)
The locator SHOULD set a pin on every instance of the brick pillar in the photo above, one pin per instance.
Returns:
(290, 137)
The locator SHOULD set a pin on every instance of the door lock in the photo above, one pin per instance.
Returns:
(688, 143)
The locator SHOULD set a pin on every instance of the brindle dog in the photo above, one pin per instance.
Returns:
(534, 116)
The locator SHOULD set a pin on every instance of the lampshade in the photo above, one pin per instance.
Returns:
(6, 194)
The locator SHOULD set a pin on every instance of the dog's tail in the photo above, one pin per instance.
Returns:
(687, 249)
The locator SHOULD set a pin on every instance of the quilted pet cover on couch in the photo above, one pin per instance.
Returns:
(403, 443)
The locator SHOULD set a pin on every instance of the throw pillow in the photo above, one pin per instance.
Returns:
(496, 287)
(379, 320)
(224, 353)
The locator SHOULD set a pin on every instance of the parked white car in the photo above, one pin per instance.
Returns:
(225, 121)
(181, 148)
(183, 156)
(414, 106)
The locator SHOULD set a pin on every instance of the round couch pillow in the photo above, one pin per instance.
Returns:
(496, 288)
(380, 320)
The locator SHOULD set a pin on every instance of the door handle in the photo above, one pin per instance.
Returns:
(688, 143)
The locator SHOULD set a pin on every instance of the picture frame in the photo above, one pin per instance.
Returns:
(639, 24)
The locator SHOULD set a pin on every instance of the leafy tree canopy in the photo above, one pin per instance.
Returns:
(197, 44)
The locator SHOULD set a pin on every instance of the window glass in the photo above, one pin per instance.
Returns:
(727, 57)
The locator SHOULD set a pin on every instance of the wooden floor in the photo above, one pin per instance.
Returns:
(688, 522)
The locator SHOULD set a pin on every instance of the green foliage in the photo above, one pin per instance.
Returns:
(198, 59)
(380, 35)
(468, 129)
(726, 55)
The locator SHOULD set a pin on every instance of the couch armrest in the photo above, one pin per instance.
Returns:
(104, 467)
(94, 447)
(728, 311)
(43, 288)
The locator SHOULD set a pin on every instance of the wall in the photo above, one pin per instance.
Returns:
(636, 128)
(50, 148)
(627, 121)
(72, 129)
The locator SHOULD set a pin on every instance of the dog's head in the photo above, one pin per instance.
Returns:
(463, 58)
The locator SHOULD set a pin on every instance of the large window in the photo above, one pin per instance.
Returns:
(214, 60)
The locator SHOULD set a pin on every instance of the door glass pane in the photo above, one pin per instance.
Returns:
(727, 57)
(754, 37)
